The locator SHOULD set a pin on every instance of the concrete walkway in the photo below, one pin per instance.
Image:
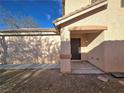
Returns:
(29, 66)
(77, 67)
(85, 68)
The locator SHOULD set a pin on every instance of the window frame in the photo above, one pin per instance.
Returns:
(122, 3)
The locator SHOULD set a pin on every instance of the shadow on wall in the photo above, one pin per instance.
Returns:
(88, 38)
(29, 49)
(108, 56)
(3, 50)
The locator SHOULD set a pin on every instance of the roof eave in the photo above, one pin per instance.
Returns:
(68, 18)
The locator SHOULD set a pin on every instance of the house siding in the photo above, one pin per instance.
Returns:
(106, 50)
(72, 5)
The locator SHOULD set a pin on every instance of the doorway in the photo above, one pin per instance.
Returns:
(75, 48)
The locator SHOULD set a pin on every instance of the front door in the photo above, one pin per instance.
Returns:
(75, 49)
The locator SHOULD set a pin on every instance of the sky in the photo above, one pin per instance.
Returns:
(42, 11)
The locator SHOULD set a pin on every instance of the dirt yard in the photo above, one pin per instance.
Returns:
(51, 81)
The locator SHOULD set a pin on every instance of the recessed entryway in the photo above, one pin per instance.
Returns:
(75, 49)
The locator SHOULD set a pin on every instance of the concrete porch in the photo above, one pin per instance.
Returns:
(79, 67)
(74, 46)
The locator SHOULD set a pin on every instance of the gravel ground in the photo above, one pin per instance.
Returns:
(52, 81)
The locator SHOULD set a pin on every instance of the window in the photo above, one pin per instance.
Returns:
(122, 3)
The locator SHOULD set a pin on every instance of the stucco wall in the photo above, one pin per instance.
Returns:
(99, 51)
(30, 49)
(72, 5)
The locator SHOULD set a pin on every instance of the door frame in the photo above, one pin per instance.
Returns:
(78, 50)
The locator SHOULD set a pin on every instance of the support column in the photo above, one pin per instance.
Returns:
(65, 52)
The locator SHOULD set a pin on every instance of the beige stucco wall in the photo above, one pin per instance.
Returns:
(106, 50)
(72, 5)
(30, 49)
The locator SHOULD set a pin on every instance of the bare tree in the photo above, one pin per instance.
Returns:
(15, 21)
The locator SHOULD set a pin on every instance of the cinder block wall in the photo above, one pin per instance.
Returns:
(29, 49)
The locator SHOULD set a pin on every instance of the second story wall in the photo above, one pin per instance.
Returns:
(72, 5)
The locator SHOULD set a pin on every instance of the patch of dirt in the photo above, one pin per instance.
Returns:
(52, 81)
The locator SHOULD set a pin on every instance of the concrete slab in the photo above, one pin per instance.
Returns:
(84, 68)
(118, 75)
(87, 71)
(29, 66)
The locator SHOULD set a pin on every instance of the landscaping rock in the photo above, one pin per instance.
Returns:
(52, 81)
(121, 82)
(103, 78)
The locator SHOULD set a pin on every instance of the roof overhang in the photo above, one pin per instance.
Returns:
(87, 29)
(79, 12)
